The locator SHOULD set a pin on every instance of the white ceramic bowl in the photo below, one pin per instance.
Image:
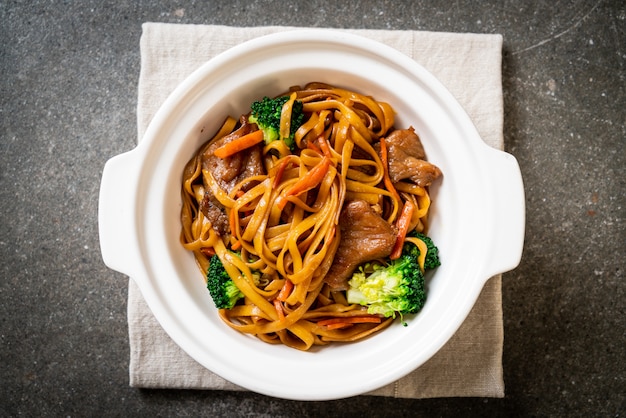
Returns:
(478, 235)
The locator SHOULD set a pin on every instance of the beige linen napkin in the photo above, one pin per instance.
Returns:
(469, 65)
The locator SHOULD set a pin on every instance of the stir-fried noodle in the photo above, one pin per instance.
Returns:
(276, 229)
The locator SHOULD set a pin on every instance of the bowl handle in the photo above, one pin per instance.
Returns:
(510, 211)
(116, 214)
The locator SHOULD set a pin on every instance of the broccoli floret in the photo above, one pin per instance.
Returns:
(223, 290)
(395, 288)
(266, 114)
(432, 252)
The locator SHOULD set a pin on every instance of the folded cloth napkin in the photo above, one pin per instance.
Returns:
(469, 65)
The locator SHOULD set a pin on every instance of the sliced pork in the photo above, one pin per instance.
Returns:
(228, 172)
(364, 236)
(406, 158)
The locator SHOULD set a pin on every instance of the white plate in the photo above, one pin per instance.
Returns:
(477, 214)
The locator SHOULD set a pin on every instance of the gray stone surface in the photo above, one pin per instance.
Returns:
(68, 89)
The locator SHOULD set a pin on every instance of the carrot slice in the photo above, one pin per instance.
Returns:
(279, 310)
(281, 202)
(312, 146)
(386, 179)
(306, 183)
(208, 251)
(285, 291)
(281, 170)
(310, 179)
(239, 144)
(232, 217)
(402, 224)
(339, 325)
(350, 320)
(324, 145)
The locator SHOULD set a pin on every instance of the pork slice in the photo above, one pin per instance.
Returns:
(406, 158)
(364, 236)
(229, 171)
(215, 212)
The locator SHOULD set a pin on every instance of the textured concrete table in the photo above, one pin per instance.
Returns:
(68, 93)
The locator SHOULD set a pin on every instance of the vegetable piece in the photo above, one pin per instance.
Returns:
(310, 179)
(279, 310)
(223, 290)
(266, 114)
(395, 288)
(311, 145)
(402, 224)
(285, 291)
(281, 170)
(336, 323)
(384, 157)
(236, 245)
(324, 145)
(239, 144)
